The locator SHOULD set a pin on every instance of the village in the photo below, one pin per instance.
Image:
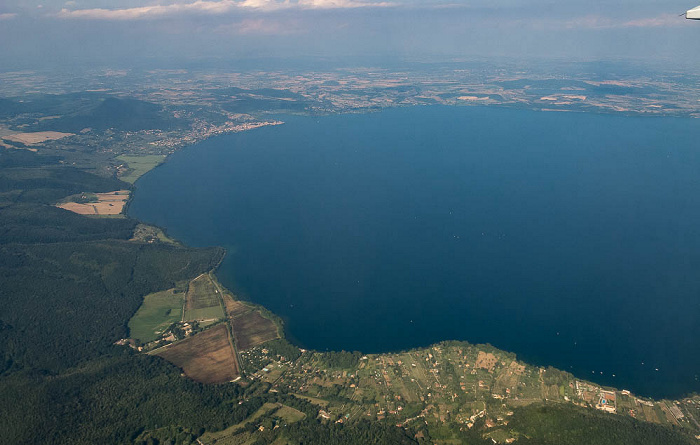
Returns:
(450, 382)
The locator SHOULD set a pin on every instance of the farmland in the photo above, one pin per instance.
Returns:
(206, 357)
(448, 390)
(158, 311)
(235, 308)
(250, 327)
(111, 203)
(36, 137)
(137, 166)
(205, 354)
(203, 302)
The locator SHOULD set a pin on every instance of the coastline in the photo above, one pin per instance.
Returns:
(135, 189)
(74, 285)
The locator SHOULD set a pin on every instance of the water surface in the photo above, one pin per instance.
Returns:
(572, 240)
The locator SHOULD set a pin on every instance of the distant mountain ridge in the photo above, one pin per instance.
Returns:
(75, 112)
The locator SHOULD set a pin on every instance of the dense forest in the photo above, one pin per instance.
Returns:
(86, 110)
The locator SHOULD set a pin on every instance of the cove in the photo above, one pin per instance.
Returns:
(571, 239)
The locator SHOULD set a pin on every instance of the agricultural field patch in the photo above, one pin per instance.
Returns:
(111, 203)
(207, 357)
(289, 414)
(36, 137)
(203, 302)
(252, 329)
(134, 167)
(157, 312)
(235, 308)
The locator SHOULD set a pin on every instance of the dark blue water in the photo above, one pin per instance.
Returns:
(572, 240)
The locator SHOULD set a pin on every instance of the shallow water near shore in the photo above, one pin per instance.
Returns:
(570, 239)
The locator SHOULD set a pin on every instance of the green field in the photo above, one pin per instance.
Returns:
(237, 434)
(203, 301)
(204, 315)
(158, 311)
(139, 165)
(289, 414)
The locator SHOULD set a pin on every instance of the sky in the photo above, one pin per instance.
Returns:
(49, 32)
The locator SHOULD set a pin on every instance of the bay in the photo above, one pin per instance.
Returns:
(571, 239)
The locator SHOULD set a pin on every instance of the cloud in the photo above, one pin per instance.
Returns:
(7, 16)
(334, 4)
(262, 27)
(599, 22)
(213, 8)
(150, 11)
(665, 20)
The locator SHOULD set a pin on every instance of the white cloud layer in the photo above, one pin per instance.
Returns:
(261, 26)
(599, 22)
(213, 8)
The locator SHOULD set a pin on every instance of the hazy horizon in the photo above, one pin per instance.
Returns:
(47, 34)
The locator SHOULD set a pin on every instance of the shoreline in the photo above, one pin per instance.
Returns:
(286, 335)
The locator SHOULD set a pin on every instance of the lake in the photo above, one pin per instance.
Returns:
(571, 239)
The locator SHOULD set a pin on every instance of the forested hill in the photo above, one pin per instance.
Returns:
(78, 111)
(68, 285)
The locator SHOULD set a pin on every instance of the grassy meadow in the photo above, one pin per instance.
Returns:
(139, 165)
(158, 311)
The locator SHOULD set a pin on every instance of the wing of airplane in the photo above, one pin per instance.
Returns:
(693, 14)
